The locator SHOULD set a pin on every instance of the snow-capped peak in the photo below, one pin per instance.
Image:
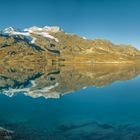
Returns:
(8, 30)
(52, 28)
(33, 29)
(44, 32)
(44, 29)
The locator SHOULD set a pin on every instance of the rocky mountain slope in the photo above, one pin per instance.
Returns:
(53, 45)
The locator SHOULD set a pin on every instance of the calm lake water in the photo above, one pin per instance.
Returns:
(72, 103)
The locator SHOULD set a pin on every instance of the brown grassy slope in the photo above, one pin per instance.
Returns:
(71, 48)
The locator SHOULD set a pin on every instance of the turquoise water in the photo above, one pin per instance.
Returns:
(110, 112)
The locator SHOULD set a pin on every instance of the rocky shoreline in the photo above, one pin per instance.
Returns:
(6, 134)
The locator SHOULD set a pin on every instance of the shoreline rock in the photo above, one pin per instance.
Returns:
(6, 134)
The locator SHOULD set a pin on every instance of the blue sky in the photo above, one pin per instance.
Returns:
(115, 20)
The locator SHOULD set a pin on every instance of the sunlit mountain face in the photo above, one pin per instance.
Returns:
(59, 86)
(52, 44)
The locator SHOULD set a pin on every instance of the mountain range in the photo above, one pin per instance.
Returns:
(53, 45)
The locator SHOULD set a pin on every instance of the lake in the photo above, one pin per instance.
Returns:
(71, 102)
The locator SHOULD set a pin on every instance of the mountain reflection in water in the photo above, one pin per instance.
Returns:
(107, 113)
(53, 81)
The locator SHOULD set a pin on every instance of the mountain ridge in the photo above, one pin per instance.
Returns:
(56, 46)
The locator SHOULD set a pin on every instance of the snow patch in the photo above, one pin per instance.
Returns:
(44, 92)
(45, 29)
(84, 37)
(33, 40)
(28, 32)
(44, 34)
